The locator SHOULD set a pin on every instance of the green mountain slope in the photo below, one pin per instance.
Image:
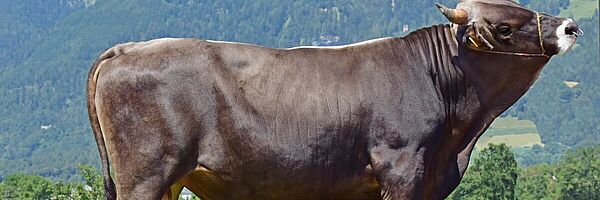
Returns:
(47, 48)
(25, 23)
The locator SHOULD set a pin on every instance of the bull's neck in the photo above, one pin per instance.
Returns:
(471, 89)
(436, 47)
(474, 88)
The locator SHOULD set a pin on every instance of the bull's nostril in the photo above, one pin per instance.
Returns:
(571, 29)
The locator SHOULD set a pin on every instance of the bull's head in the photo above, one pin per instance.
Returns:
(503, 46)
(503, 26)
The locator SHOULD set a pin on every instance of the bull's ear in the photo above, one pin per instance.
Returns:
(457, 16)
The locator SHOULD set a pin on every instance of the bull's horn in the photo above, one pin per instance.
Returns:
(457, 16)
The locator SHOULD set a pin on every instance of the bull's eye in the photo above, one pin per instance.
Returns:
(504, 30)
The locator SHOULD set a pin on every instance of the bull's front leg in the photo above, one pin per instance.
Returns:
(399, 171)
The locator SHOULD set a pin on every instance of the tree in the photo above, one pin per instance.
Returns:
(93, 188)
(576, 176)
(538, 183)
(22, 186)
(492, 176)
(579, 174)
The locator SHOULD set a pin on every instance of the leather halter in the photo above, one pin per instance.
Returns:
(542, 54)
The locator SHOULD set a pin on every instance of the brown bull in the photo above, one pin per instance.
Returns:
(393, 118)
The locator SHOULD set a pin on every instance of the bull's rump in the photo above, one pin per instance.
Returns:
(276, 122)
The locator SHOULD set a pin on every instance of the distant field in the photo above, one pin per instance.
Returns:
(511, 125)
(580, 9)
(522, 140)
(512, 132)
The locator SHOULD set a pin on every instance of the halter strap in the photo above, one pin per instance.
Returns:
(539, 25)
(542, 54)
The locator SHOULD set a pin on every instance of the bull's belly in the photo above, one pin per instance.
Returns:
(209, 185)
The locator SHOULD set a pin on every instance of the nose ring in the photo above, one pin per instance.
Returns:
(579, 32)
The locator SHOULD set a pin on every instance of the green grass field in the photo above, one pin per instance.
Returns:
(580, 9)
(522, 140)
(511, 131)
(511, 125)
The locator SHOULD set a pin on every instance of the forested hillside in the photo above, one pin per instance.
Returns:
(495, 175)
(48, 46)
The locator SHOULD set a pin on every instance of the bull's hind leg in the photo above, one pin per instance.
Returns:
(147, 155)
(149, 111)
(149, 173)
